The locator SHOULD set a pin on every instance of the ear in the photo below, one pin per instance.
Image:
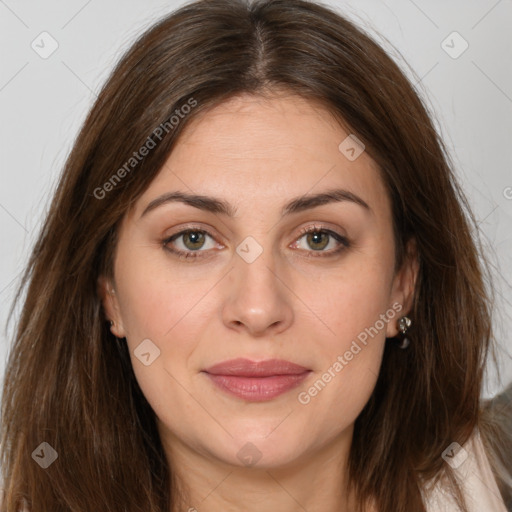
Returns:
(111, 308)
(404, 284)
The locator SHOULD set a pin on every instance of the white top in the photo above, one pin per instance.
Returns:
(479, 485)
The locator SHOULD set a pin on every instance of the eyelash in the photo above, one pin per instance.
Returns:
(343, 241)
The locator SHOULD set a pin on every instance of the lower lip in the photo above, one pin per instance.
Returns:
(257, 389)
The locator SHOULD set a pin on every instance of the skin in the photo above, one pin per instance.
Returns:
(258, 154)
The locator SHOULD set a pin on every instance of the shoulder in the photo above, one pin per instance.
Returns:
(474, 472)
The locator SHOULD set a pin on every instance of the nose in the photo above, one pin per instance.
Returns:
(258, 299)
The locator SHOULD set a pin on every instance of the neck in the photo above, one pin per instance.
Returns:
(315, 482)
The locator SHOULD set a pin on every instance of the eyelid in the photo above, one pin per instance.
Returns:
(194, 227)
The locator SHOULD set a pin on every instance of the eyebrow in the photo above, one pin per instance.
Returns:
(296, 205)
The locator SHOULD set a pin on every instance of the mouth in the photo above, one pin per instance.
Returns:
(256, 381)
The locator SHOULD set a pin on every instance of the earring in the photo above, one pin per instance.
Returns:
(403, 325)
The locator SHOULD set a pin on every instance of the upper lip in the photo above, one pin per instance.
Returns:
(247, 368)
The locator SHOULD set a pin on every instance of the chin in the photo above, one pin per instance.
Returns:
(264, 452)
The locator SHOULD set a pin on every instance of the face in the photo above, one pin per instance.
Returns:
(273, 275)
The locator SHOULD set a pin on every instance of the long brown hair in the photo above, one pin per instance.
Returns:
(70, 384)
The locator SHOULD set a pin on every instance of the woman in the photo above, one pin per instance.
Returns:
(256, 288)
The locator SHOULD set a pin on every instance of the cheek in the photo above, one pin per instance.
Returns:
(172, 308)
(156, 299)
(351, 302)
(163, 312)
(350, 355)
(354, 311)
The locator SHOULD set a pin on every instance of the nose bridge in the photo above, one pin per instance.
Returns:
(256, 264)
(257, 298)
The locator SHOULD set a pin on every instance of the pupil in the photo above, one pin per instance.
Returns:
(195, 238)
(316, 236)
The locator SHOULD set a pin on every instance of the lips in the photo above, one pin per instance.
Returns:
(246, 368)
(256, 381)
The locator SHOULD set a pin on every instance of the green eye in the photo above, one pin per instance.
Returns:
(190, 243)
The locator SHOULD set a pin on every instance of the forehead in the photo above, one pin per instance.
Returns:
(255, 151)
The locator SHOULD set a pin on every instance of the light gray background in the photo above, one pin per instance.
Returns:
(44, 101)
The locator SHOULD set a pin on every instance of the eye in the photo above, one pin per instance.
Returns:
(188, 242)
(319, 238)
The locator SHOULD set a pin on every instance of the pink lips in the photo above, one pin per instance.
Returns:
(256, 381)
